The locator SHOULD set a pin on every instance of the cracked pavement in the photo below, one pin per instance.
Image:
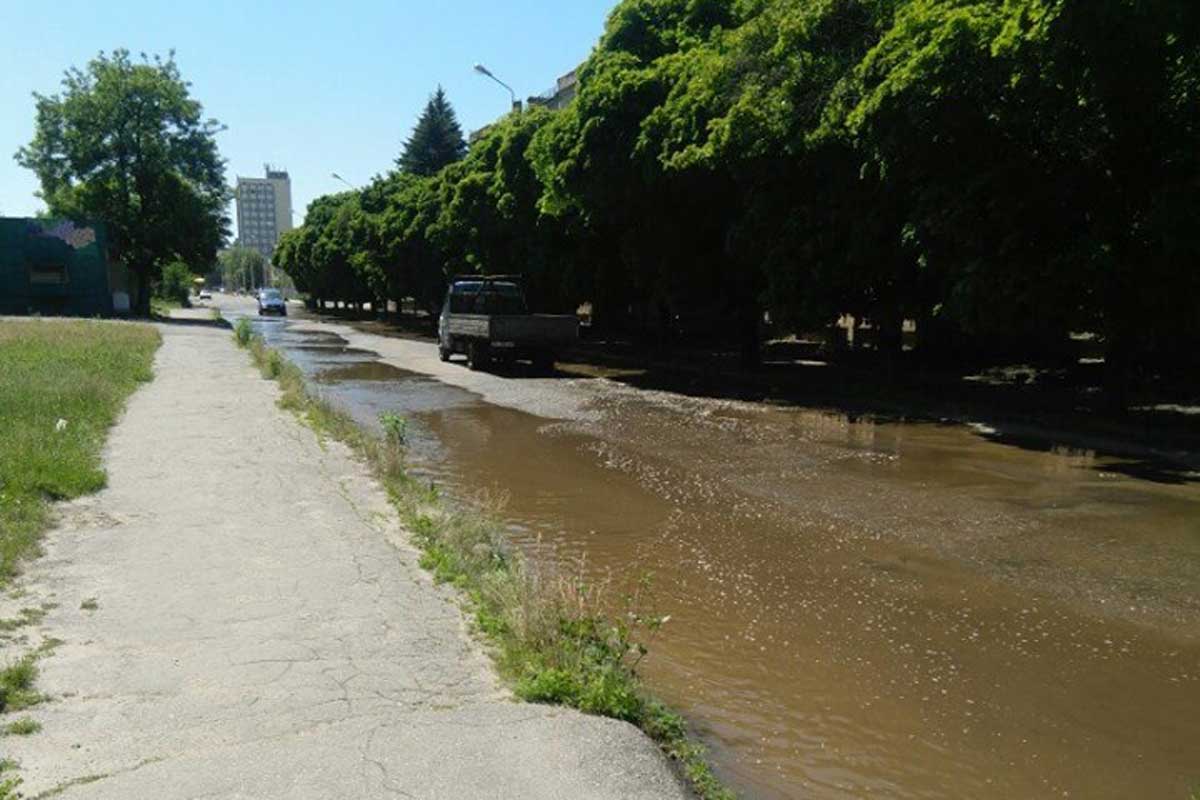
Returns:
(263, 630)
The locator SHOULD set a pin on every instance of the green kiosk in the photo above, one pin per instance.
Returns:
(57, 267)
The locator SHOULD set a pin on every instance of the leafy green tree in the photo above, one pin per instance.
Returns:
(661, 255)
(293, 255)
(491, 220)
(126, 144)
(176, 283)
(436, 141)
(320, 256)
(1110, 93)
(242, 267)
(342, 249)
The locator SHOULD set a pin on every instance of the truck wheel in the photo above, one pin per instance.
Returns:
(477, 356)
(444, 353)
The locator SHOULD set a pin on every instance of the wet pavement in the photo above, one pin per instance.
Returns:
(857, 609)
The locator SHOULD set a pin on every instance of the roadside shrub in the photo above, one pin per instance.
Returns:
(9, 783)
(243, 332)
(16, 685)
(26, 726)
(176, 283)
(395, 427)
(273, 366)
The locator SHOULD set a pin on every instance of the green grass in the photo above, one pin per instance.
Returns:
(89, 604)
(161, 307)
(26, 616)
(62, 386)
(16, 685)
(555, 638)
(395, 427)
(9, 783)
(243, 331)
(26, 726)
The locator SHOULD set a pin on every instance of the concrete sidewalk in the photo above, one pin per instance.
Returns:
(262, 629)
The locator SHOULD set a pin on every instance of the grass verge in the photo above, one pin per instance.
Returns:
(62, 385)
(161, 307)
(553, 642)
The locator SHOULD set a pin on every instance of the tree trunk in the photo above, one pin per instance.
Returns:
(889, 335)
(1117, 368)
(1122, 325)
(140, 302)
(749, 335)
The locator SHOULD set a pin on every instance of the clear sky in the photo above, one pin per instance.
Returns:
(314, 87)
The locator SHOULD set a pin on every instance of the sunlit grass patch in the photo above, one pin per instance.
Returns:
(26, 726)
(16, 685)
(9, 783)
(62, 385)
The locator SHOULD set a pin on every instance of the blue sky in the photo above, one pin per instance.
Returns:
(316, 87)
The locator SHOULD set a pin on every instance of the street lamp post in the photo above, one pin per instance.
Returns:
(343, 180)
(487, 73)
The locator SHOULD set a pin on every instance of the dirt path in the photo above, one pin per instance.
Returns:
(262, 630)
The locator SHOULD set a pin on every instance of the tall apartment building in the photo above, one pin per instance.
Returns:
(264, 210)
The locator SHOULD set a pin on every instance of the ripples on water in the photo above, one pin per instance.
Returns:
(902, 610)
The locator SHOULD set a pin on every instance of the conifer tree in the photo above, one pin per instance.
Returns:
(436, 141)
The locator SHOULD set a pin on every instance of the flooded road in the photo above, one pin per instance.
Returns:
(857, 609)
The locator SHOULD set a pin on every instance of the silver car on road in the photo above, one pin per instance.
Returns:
(270, 301)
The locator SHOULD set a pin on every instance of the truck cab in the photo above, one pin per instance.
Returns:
(484, 296)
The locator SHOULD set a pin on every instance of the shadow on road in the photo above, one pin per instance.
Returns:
(1058, 409)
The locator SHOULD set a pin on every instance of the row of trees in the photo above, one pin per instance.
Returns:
(240, 269)
(1003, 172)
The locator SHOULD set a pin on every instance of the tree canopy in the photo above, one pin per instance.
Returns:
(1002, 173)
(242, 268)
(436, 141)
(126, 144)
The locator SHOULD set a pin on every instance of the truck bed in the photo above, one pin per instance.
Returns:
(540, 330)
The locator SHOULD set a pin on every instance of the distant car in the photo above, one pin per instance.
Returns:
(270, 301)
(205, 294)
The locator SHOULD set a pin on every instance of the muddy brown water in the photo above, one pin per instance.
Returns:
(857, 609)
